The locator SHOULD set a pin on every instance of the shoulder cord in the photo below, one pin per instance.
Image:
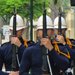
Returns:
(60, 52)
(68, 42)
(25, 43)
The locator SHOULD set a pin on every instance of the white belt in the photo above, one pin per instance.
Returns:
(68, 70)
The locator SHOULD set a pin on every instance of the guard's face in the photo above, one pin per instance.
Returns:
(50, 32)
(19, 32)
(63, 31)
(40, 33)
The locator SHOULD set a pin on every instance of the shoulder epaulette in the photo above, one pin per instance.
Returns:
(30, 43)
(70, 42)
(5, 43)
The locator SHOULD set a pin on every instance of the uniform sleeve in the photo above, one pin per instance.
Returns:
(25, 63)
(1, 60)
(20, 52)
(3, 73)
(22, 48)
(72, 50)
(1, 63)
(61, 61)
(72, 53)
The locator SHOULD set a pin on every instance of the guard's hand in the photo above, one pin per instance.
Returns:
(60, 39)
(47, 43)
(15, 41)
(14, 73)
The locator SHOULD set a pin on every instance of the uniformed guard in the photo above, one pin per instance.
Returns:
(69, 43)
(32, 57)
(6, 48)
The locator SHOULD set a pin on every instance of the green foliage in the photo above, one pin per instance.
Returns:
(23, 7)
